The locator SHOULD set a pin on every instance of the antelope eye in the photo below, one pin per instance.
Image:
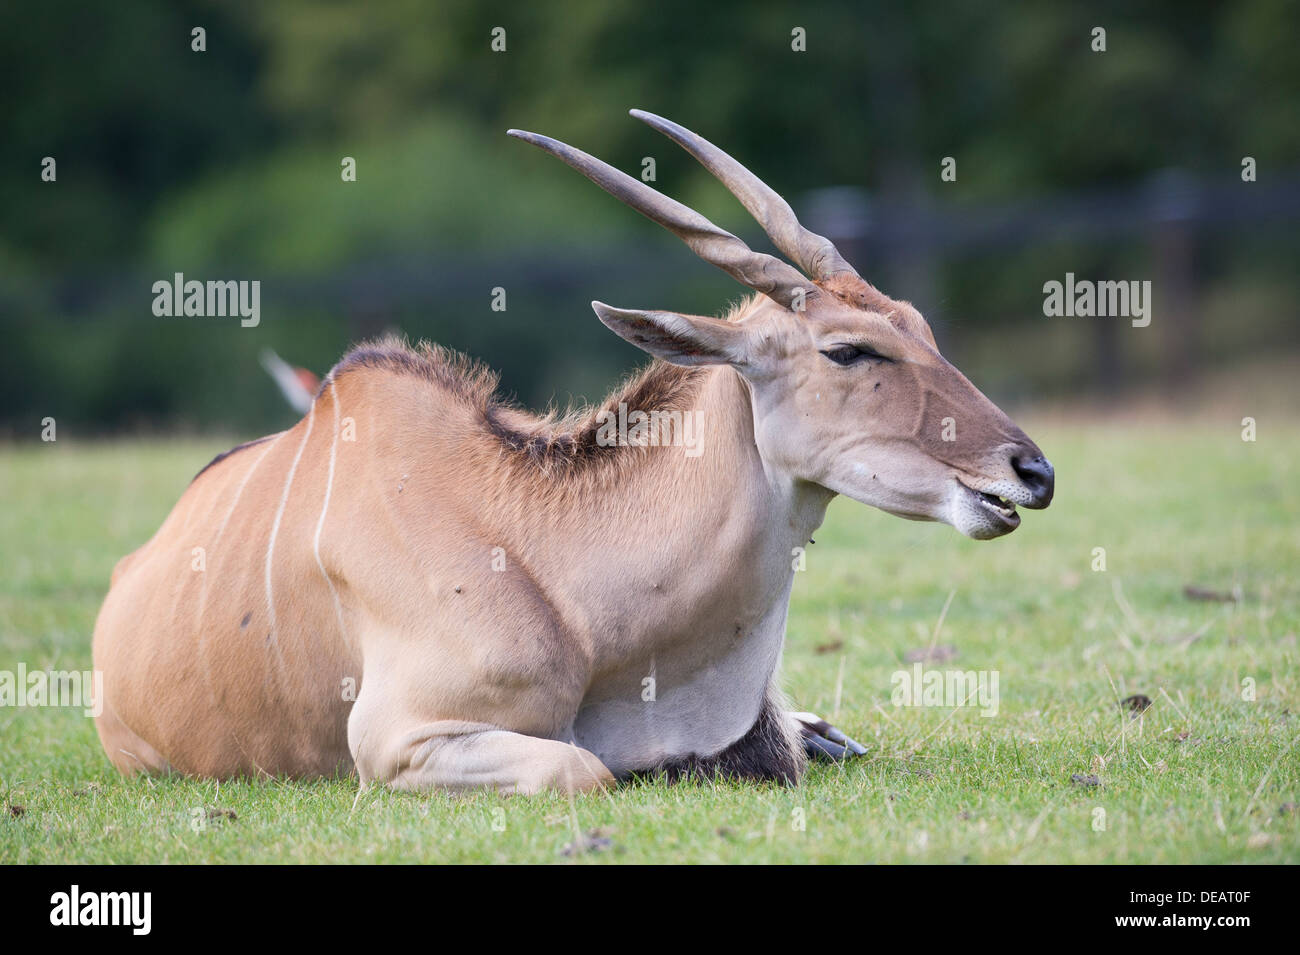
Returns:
(852, 354)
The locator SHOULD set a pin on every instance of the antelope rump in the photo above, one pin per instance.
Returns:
(431, 588)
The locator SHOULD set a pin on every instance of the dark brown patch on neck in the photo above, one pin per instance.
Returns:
(572, 439)
(568, 440)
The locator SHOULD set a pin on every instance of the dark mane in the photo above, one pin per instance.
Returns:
(546, 439)
(467, 380)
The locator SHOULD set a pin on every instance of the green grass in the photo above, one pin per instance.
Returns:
(1203, 776)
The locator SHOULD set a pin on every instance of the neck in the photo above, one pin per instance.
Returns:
(663, 545)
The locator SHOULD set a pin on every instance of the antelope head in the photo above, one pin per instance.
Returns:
(848, 388)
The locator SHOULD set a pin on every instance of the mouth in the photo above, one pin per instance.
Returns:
(1000, 511)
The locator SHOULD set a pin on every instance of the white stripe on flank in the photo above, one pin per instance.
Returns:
(202, 605)
(275, 528)
(203, 589)
(239, 492)
(320, 524)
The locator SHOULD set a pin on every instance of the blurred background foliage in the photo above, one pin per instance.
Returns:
(225, 164)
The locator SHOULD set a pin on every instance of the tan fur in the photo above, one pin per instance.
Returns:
(594, 540)
(434, 588)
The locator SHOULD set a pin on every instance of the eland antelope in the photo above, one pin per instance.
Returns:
(430, 587)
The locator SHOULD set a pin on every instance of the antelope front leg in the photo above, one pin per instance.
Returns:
(823, 741)
(459, 756)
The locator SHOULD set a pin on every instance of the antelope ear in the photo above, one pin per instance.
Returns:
(679, 339)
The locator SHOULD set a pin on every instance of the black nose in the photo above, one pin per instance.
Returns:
(1038, 477)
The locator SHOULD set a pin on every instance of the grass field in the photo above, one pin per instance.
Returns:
(1206, 774)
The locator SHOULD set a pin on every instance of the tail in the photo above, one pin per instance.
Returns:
(298, 385)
